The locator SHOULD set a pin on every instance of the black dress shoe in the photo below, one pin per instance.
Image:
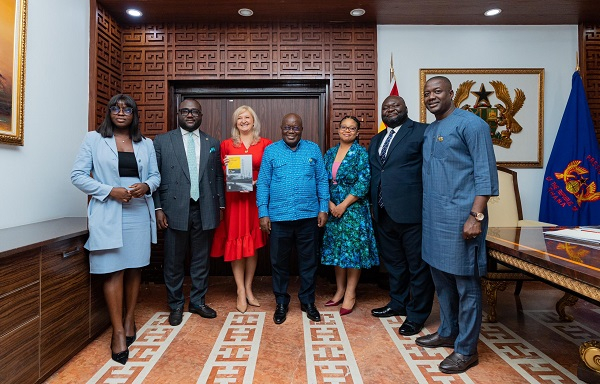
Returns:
(131, 339)
(435, 340)
(311, 311)
(280, 313)
(387, 312)
(410, 328)
(457, 363)
(203, 310)
(176, 316)
(120, 357)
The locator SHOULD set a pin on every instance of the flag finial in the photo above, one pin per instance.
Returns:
(392, 75)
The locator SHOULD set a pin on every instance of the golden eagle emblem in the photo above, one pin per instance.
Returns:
(576, 184)
(574, 252)
(510, 107)
(498, 115)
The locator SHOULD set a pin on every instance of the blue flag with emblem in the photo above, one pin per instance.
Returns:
(570, 195)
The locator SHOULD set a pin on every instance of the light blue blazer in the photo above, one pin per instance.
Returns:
(98, 156)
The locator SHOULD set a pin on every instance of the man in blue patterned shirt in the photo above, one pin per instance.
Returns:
(292, 195)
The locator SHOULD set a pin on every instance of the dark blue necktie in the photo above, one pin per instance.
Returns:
(386, 144)
(383, 157)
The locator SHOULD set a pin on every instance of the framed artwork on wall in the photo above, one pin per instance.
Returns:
(13, 25)
(511, 101)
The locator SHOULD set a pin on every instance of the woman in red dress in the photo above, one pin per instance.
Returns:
(239, 236)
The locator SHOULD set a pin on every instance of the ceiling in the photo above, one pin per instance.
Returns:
(403, 12)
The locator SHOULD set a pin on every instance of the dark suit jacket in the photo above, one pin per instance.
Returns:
(400, 176)
(173, 194)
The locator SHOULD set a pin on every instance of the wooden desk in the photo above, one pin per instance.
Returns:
(572, 268)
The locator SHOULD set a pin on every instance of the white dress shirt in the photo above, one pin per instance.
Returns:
(389, 130)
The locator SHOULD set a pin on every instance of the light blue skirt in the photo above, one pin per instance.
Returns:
(135, 252)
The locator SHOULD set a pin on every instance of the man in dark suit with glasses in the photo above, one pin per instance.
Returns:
(189, 205)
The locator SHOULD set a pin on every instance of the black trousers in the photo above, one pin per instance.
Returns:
(176, 245)
(284, 234)
(411, 285)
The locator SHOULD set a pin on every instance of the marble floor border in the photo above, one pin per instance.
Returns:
(152, 341)
(532, 364)
(423, 362)
(573, 331)
(235, 352)
(329, 356)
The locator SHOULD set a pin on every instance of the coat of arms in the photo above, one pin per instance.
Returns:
(501, 116)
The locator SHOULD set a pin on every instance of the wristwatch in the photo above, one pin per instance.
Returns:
(478, 216)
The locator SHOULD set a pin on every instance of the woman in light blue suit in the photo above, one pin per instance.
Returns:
(116, 166)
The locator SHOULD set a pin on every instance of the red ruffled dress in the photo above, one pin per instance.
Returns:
(239, 233)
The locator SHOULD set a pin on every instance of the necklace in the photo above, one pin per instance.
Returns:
(246, 147)
(121, 138)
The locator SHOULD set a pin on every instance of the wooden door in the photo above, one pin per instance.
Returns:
(271, 100)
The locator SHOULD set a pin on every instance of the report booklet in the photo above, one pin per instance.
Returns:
(239, 173)
(588, 236)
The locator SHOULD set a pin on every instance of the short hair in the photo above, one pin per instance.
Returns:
(107, 128)
(444, 79)
(353, 118)
(235, 132)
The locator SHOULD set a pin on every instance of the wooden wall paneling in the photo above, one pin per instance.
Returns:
(145, 75)
(153, 55)
(589, 43)
(107, 65)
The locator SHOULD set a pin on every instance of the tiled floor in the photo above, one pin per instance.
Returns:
(527, 345)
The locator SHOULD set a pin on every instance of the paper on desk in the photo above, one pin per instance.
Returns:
(589, 236)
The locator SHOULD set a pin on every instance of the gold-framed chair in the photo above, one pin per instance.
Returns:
(505, 210)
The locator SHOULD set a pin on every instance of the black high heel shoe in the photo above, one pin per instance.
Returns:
(131, 339)
(121, 357)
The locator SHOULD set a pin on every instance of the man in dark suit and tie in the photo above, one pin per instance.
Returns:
(189, 203)
(395, 156)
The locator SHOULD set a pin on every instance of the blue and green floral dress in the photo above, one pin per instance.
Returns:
(349, 241)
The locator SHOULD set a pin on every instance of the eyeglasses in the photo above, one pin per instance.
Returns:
(115, 109)
(350, 129)
(186, 111)
(287, 128)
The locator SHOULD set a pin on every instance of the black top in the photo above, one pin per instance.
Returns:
(128, 165)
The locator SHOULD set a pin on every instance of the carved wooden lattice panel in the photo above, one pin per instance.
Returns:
(108, 61)
(346, 54)
(590, 65)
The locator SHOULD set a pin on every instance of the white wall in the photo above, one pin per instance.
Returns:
(553, 48)
(34, 178)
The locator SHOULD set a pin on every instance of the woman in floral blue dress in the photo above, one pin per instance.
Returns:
(349, 241)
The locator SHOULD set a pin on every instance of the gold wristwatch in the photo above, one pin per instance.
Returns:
(478, 216)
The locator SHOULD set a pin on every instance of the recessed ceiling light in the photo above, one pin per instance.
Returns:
(133, 12)
(357, 12)
(245, 12)
(492, 12)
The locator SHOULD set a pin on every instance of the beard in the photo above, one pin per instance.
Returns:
(395, 121)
